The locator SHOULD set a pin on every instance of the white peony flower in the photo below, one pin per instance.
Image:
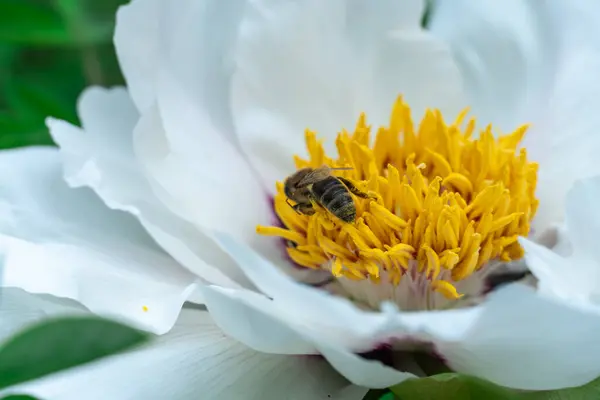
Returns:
(219, 95)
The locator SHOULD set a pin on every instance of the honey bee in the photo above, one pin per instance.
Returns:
(317, 185)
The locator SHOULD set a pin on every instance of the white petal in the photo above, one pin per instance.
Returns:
(65, 242)
(525, 341)
(565, 140)
(198, 37)
(583, 217)
(555, 237)
(191, 41)
(101, 157)
(369, 373)
(209, 183)
(576, 278)
(137, 42)
(244, 315)
(318, 64)
(100, 154)
(555, 275)
(19, 309)
(500, 48)
(196, 359)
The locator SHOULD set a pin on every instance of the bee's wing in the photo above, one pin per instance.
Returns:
(316, 175)
(341, 168)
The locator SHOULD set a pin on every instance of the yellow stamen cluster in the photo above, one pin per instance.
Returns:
(446, 203)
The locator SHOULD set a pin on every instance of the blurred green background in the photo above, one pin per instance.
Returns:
(50, 50)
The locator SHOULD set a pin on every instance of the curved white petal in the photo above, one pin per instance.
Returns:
(188, 38)
(318, 64)
(525, 341)
(197, 40)
(137, 43)
(244, 315)
(576, 278)
(369, 373)
(533, 62)
(565, 139)
(196, 359)
(555, 237)
(19, 309)
(583, 217)
(208, 184)
(554, 275)
(65, 242)
(502, 50)
(101, 157)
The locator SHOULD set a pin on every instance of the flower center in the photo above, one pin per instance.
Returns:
(443, 205)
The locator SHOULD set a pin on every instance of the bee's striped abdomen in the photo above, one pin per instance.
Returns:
(333, 195)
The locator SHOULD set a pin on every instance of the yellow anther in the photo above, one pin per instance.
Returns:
(410, 201)
(446, 289)
(444, 202)
(333, 248)
(145, 308)
(459, 183)
(368, 234)
(387, 217)
(465, 267)
(504, 221)
(442, 165)
(401, 249)
(284, 233)
(336, 268)
(449, 235)
(304, 259)
(433, 263)
(449, 258)
(372, 269)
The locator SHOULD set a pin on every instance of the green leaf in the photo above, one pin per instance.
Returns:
(31, 23)
(45, 83)
(34, 100)
(19, 397)
(379, 394)
(453, 386)
(58, 344)
(590, 391)
(16, 132)
(45, 24)
(29, 104)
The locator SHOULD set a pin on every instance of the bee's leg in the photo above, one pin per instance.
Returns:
(304, 208)
(354, 190)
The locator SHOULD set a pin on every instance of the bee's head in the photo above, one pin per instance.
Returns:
(287, 189)
(290, 185)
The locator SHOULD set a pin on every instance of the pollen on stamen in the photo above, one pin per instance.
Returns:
(446, 203)
(145, 308)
